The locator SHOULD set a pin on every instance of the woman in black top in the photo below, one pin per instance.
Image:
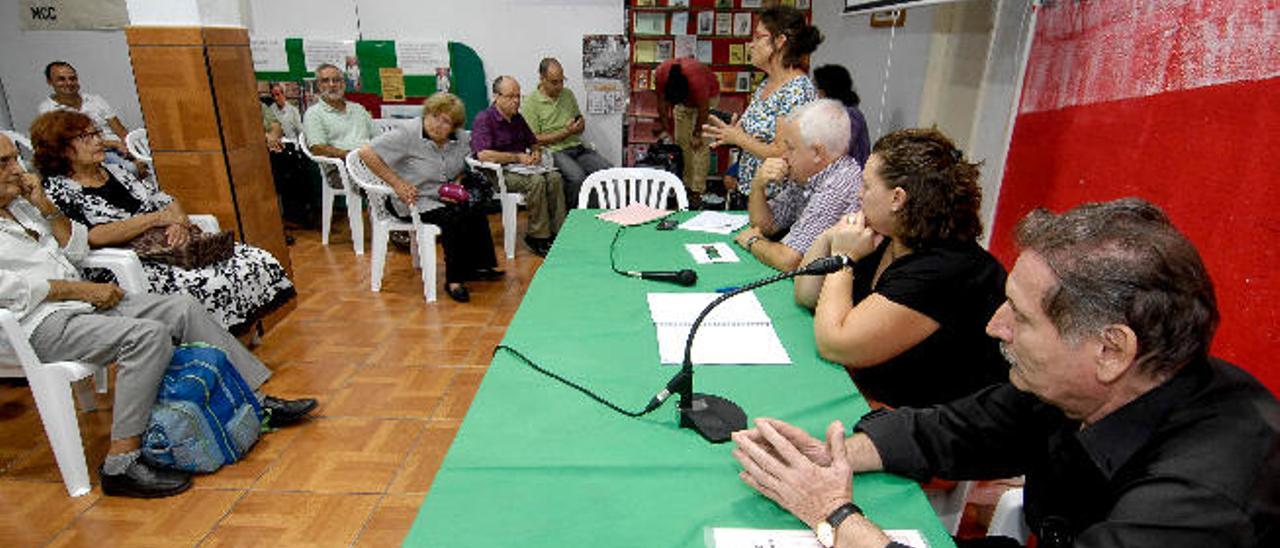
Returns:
(913, 333)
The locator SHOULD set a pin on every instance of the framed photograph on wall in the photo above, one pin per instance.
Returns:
(724, 24)
(706, 22)
(742, 24)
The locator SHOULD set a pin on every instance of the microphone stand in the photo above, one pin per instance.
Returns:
(714, 417)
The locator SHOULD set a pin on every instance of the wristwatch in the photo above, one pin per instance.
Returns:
(826, 530)
(751, 241)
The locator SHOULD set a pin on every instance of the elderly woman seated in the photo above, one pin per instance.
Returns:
(417, 160)
(118, 208)
(908, 320)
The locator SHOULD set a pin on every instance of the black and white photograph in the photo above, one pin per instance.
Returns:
(604, 56)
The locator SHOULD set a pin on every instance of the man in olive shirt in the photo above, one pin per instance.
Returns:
(1128, 433)
(552, 113)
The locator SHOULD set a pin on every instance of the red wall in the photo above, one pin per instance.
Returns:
(1122, 99)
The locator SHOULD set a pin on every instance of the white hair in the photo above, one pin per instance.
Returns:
(823, 122)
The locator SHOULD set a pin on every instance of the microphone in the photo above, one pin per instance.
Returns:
(714, 417)
(684, 277)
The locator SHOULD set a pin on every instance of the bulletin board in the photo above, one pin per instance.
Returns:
(467, 79)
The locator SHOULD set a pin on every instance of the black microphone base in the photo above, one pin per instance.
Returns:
(713, 417)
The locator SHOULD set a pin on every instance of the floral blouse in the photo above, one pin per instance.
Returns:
(760, 120)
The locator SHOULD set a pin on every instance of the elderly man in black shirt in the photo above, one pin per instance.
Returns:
(1127, 432)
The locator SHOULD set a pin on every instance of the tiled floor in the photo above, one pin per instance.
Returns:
(394, 376)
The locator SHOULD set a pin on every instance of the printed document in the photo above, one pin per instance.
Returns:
(715, 222)
(738, 331)
(732, 537)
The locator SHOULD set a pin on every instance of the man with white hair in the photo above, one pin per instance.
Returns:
(825, 184)
(336, 126)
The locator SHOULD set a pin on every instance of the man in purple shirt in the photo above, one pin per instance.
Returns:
(823, 185)
(500, 135)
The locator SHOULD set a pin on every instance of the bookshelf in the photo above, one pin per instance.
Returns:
(717, 33)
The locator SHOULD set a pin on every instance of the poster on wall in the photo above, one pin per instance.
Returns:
(268, 55)
(606, 97)
(392, 83)
(422, 58)
(333, 52)
(604, 56)
(72, 14)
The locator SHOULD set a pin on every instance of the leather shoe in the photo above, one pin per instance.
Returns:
(141, 480)
(539, 246)
(281, 412)
(458, 293)
(487, 274)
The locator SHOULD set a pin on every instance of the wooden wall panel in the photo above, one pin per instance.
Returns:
(255, 193)
(198, 179)
(177, 104)
(236, 95)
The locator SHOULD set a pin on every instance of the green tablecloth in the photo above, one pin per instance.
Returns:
(535, 463)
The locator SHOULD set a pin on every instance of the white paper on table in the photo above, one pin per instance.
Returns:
(634, 214)
(715, 222)
(268, 55)
(715, 252)
(736, 332)
(735, 537)
(416, 57)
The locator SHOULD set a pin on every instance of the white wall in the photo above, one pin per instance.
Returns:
(865, 51)
(100, 57)
(510, 36)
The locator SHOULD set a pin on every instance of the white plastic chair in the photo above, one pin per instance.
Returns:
(53, 384)
(949, 505)
(510, 203)
(382, 221)
(619, 187)
(51, 387)
(26, 153)
(328, 194)
(139, 147)
(1007, 520)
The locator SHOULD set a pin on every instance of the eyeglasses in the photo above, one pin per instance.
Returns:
(335, 80)
(89, 136)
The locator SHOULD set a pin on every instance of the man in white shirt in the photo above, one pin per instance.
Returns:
(69, 319)
(65, 82)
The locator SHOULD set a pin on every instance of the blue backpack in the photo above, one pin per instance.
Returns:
(205, 413)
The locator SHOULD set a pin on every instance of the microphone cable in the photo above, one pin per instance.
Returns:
(571, 384)
(613, 248)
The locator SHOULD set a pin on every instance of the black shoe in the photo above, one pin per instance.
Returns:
(281, 412)
(400, 239)
(458, 293)
(487, 274)
(539, 246)
(143, 481)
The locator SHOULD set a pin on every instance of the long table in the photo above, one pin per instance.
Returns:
(535, 463)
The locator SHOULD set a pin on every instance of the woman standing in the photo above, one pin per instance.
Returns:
(780, 46)
(118, 207)
(416, 160)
